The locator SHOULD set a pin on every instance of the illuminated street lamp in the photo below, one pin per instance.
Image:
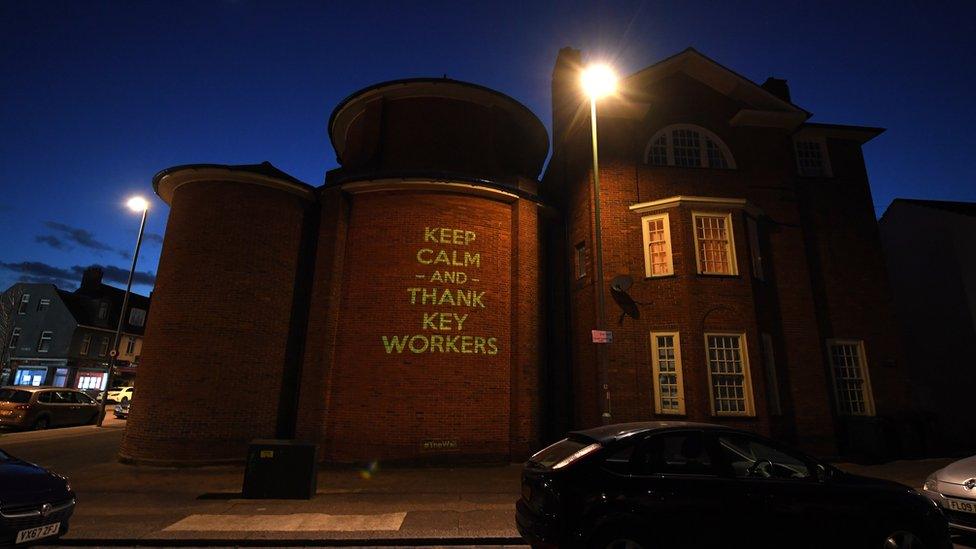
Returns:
(136, 204)
(599, 81)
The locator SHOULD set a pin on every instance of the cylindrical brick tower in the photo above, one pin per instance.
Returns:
(214, 354)
(425, 334)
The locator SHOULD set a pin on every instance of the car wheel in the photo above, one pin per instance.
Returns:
(902, 539)
(620, 538)
(41, 423)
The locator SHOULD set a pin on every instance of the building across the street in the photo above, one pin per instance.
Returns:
(64, 339)
(930, 247)
(434, 300)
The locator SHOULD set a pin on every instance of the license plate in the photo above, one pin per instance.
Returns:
(38, 533)
(961, 505)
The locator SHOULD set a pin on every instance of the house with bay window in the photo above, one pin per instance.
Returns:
(64, 339)
(747, 239)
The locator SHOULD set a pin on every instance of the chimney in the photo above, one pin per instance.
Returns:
(91, 278)
(777, 87)
(566, 93)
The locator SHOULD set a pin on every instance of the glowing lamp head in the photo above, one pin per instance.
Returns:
(137, 204)
(599, 81)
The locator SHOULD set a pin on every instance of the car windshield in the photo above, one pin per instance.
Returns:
(13, 395)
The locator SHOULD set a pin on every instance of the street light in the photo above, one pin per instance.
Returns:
(136, 204)
(599, 81)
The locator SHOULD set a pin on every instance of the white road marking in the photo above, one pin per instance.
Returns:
(303, 522)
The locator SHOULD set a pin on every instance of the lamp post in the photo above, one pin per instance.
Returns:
(136, 204)
(599, 81)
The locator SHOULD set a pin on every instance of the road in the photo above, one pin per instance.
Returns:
(155, 504)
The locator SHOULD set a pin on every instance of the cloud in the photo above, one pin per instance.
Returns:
(35, 271)
(155, 238)
(52, 241)
(79, 236)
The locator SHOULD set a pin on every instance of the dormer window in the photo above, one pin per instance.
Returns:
(687, 146)
(811, 158)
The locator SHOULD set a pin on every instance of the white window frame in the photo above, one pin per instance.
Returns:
(24, 301)
(702, 149)
(750, 408)
(46, 335)
(822, 143)
(755, 248)
(579, 254)
(43, 304)
(137, 317)
(868, 392)
(732, 261)
(656, 369)
(773, 400)
(130, 345)
(14, 338)
(103, 346)
(648, 260)
(102, 310)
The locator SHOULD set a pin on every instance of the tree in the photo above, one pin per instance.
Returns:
(9, 302)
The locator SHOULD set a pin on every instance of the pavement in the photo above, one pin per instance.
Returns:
(375, 506)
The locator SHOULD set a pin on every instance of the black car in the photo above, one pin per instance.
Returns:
(35, 504)
(679, 484)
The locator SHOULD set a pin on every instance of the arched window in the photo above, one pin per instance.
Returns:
(688, 146)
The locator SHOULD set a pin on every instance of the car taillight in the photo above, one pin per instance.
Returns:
(577, 455)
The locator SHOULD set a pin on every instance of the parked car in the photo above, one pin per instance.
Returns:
(120, 394)
(35, 504)
(43, 407)
(953, 488)
(680, 484)
(122, 409)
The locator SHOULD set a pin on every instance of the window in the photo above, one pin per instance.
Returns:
(580, 260)
(14, 338)
(102, 310)
(657, 246)
(44, 344)
(130, 346)
(811, 158)
(34, 378)
(772, 380)
(728, 375)
(669, 397)
(755, 249)
(137, 317)
(682, 453)
(43, 304)
(86, 344)
(24, 300)
(748, 457)
(852, 386)
(91, 380)
(103, 347)
(714, 244)
(60, 377)
(687, 146)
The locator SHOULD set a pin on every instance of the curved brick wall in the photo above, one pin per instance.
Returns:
(437, 335)
(212, 362)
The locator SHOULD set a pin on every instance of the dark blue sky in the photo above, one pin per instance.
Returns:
(96, 97)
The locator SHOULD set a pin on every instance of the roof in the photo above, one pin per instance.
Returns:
(79, 304)
(166, 181)
(617, 431)
(961, 208)
(861, 134)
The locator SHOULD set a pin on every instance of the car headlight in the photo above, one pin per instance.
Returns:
(931, 484)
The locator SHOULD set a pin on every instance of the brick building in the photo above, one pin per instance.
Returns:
(433, 300)
(394, 312)
(750, 239)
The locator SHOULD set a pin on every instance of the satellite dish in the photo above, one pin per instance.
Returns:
(618, 290)
(621, 283)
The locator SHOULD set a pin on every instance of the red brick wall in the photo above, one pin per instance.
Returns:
(364, 399)
(214, 349)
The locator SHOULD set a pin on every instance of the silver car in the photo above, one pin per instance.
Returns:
(953, 488)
